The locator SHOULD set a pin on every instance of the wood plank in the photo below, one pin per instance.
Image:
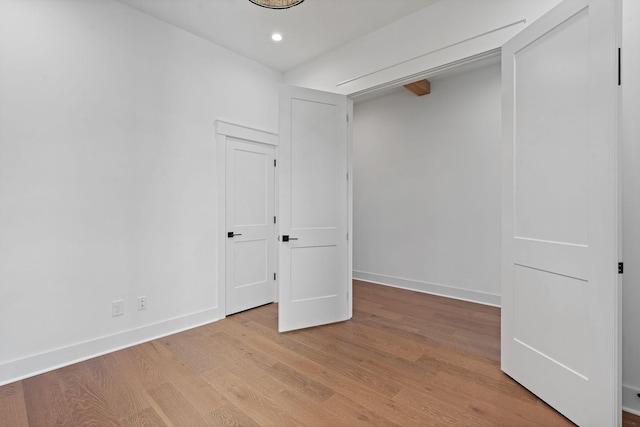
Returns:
(139, 368)
(254, 404)
(349, 367)
(178, 409)
(420, 88)
(436, 412)
(146, 418)
(368, 309)
(270, 342)
(86, 402)
(377, 339)
(292, 392)
(630, 420)
(481, 399)
(121, 395)
(13, 411)
(229, 415)
(194, 388)
(370, 399)
(45, 403)
(382, 364)
(184, 346)
(300, 383)
(354, 414)
(406, 359)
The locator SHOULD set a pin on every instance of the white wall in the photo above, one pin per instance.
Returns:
(107, 175)
(427, 188)
(444, 32)
(631, 205)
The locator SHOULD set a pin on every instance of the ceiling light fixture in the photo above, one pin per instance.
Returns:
(277, 4)
(276, 37)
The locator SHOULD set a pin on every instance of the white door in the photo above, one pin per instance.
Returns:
(315, 280)
(250, 213)
(560, 290)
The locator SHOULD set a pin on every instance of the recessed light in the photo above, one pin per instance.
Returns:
(276, 37)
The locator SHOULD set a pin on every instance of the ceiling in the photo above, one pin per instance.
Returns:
(309, 29)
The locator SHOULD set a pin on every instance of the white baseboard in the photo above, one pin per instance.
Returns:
(630, 400)
(430, 288)
(19, 369)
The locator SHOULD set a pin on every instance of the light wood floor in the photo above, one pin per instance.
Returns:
(405, 359)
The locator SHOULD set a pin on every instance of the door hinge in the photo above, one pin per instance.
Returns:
(347, 236)
(274, 276)
(347, 118)
(274, 219)
(274, 163)
(619, 66)
(347, 176)
(620, 268)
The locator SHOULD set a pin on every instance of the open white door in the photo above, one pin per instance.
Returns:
(315, 280)
(560, 287)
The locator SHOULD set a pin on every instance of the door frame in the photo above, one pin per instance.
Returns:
(223, 131)
(488, 57)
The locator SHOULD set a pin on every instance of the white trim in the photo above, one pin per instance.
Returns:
(464, 48)
(224, 130)
(245, 132)
(630, 400)
(353, 79)
(430, 288)
(350, 201)
(483, 58)
(16, 370)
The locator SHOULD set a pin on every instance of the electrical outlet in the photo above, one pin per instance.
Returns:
(117, 308)
(142, 303)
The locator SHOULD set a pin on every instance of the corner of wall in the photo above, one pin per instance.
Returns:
(430, 288)
(36, 364)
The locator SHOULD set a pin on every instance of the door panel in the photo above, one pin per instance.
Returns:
(314, 186)
(251, 169)
(315, 281)
(251, 259)
(553, 207)
(250, 204)
(559, 334)
(309, 285)
(560, 328)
